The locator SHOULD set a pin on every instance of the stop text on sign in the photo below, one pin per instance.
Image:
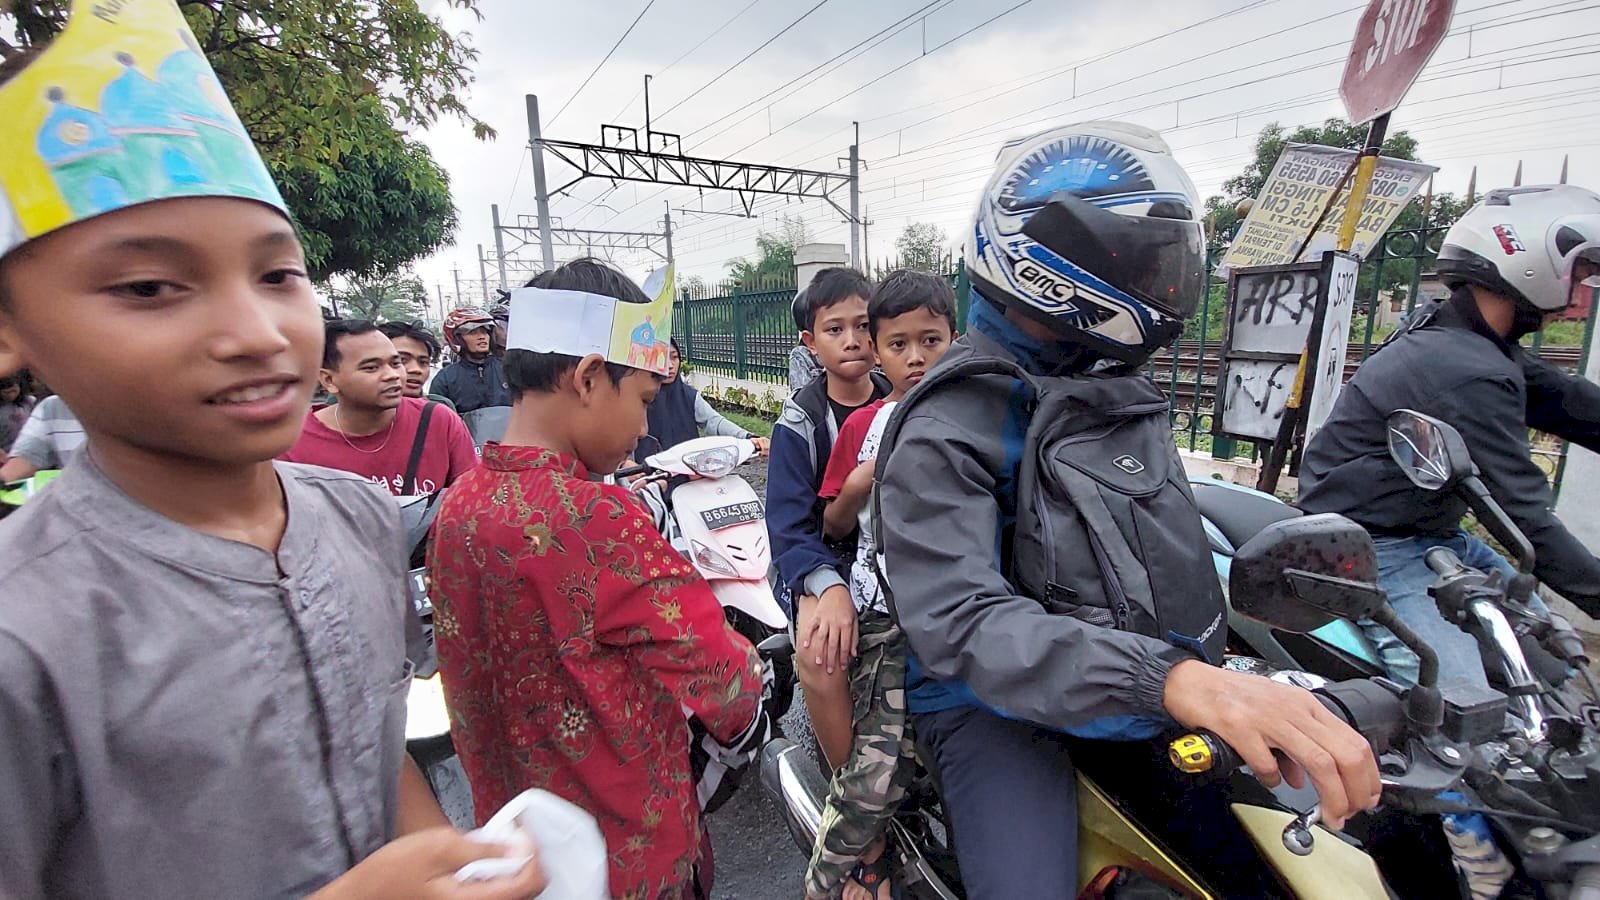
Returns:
(1395, 30)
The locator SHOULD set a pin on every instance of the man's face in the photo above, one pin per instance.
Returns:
(908, 346)
(840, 339)
(370, 375)
(415, 360)
(181, 328)
(616, 419)
(476, 341)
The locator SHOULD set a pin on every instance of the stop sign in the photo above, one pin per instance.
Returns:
(1393, 42)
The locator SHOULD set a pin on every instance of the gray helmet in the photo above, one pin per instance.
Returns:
(1522, 243)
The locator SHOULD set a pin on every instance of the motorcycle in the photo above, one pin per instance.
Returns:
(1298, 575)
(1232, 515)
(427, 717)
(715, 519)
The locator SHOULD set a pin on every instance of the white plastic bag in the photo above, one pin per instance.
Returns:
(571, 848)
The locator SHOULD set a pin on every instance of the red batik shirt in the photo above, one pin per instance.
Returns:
(571, 637)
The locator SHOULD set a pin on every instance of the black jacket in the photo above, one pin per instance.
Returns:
(1450, 365)
(471, 385)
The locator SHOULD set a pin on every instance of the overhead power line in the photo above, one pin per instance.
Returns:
(745, 58)
(602, 64)
(685, 55)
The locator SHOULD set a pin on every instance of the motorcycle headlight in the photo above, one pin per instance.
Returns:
(710, 560)
(713, 463)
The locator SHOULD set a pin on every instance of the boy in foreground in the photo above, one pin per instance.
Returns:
(834, 310)
(202, 654)
(572, 638)
(912, 317)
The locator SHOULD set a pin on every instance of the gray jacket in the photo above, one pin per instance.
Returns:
(946, 500)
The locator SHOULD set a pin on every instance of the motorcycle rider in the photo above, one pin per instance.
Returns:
(476, 379)
(1025, 623)
(1512, 262)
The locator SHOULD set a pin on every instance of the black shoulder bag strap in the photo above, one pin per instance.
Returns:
(416, 449)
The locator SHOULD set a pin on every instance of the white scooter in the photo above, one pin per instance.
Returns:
(717, 521)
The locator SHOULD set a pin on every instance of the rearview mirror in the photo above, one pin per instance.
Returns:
(1431, 453)
(1300, 574)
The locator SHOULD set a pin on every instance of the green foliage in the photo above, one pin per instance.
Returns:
(775, 262)
(394, 298)
(325, 88)
(384, 204)
(1564, 334)
(922, 247)
(766, 405)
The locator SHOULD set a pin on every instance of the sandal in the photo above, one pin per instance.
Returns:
(872, 875)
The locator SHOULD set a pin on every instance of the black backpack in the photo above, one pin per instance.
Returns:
(1106, 529)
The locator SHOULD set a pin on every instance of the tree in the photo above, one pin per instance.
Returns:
(922, 246)
(775, 262)
(692, 286)
(393, 298)
(324, 87)
(383, 205)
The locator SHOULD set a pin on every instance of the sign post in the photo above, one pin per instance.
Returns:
(1394, 41)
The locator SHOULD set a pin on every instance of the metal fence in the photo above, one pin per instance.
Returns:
(749, 335)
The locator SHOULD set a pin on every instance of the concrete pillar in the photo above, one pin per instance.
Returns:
(809, 259)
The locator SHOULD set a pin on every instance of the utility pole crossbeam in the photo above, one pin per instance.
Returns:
(746, 179)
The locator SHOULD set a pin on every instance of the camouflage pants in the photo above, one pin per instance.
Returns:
(867, 791)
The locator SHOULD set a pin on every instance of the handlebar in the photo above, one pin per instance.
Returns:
(1369, 706)
(1444, 562)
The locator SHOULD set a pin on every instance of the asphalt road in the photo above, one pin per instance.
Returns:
(755, 857)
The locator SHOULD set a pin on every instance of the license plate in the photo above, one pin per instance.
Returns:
(733, 514)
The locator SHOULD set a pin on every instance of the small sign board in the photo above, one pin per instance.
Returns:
(1297, 192)
(1272, 312)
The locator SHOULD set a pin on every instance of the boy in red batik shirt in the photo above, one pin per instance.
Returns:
(571, 636)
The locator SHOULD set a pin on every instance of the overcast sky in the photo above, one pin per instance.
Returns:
(936, 91)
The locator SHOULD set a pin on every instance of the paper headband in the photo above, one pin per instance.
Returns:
(121, 109)
(577, 323)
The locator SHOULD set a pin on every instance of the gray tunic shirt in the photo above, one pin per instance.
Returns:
(177, 718)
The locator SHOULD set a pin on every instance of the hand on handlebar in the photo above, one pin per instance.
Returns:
(763, 446)
(1281, 733)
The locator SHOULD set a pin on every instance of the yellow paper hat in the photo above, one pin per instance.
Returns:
(578, 323)
(121, 109)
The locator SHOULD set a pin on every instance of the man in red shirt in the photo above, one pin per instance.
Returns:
(371, 429)
(572, 638)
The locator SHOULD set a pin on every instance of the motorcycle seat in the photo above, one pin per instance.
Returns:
(1238, 512)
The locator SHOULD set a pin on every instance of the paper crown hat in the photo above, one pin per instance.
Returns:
(121, 109)
(578, 323)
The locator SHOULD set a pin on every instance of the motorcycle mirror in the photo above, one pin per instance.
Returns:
(1300, 574)
(1431, 453)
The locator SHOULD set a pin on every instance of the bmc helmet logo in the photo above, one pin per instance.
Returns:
(1508, 239)
(1045, 284)
(1128, 464)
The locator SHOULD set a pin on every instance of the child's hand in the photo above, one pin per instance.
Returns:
(423, 866)
(832, 632)
(860, 479)
(763, 446)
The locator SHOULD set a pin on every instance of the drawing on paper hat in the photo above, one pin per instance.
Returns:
(578, 323)
(121, 109)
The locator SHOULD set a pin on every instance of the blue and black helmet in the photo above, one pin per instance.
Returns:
(1094, 230)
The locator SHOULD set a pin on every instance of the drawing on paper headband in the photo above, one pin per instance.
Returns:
(578, 323)
(120, 109)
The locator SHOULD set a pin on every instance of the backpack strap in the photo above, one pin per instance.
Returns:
(416, 449)
(961, 363)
